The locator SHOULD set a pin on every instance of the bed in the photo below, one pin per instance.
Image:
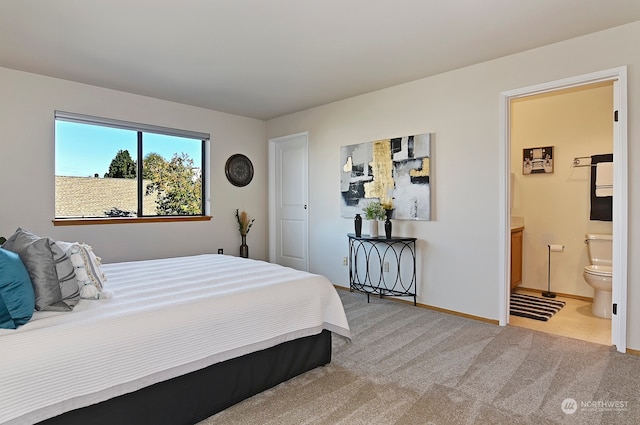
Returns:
(181, 339)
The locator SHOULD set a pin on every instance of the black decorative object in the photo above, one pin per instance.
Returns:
(387, 224)
(357, 221)
(244, 248)
(387, 228)
(244, 225)
(239, 170)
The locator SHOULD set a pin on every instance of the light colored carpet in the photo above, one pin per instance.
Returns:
(409, 365)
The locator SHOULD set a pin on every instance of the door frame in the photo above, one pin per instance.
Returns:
(620, 192)
(273, 142)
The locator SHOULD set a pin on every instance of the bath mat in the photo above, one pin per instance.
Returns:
(534, 307)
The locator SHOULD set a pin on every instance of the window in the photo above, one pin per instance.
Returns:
(108, 168)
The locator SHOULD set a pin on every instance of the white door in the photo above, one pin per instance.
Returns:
(620, 218)
(288, 209)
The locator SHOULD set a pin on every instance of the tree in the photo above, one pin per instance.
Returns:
(153, 166)
(177, 182)
(122, 166)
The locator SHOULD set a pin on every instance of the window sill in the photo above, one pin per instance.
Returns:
(125, 220)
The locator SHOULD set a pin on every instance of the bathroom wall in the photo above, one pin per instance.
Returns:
(555, 207)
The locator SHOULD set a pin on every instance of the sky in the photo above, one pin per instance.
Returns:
(85, 150)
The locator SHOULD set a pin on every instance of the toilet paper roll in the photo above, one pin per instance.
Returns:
(556, 248)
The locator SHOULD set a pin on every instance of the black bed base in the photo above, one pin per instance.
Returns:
(193, 397)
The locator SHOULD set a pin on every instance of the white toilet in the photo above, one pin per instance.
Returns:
(598, 272)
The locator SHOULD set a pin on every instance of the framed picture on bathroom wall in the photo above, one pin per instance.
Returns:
(537, 160)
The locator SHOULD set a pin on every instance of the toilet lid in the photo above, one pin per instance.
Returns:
(599, 270)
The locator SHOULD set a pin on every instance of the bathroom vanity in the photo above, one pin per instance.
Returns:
(516, 255)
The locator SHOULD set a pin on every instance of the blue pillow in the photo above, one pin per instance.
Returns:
(17, 299)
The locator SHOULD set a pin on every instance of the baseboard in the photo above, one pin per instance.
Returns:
(430, 307)
(559, 294)
(634, 352)
(457, 313)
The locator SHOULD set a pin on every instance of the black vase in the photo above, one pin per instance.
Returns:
(357, 222)
(388, 225)
(244, 248)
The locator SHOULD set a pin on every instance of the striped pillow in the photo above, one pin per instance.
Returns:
(50, 269)
(88, 269)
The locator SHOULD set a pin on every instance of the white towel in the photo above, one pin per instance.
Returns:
(604, 179)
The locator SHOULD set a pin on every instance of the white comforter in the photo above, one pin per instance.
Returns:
(167, 317)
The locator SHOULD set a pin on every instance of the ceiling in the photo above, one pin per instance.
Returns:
(268, 58)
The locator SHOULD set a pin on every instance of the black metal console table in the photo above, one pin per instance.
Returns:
(381, 266)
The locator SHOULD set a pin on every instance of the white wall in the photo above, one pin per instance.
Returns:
(27, 169)
(459, 250)
(555, 207)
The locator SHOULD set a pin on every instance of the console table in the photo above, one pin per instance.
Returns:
(381, 266)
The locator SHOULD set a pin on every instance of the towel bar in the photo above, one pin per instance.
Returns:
(577, 163)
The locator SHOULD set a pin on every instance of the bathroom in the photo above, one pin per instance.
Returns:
(554, 205)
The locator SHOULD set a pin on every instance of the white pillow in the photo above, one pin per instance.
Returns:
(88, 268)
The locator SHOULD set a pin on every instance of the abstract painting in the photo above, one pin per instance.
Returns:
(396, 172)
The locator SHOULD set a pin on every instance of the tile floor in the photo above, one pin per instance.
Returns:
(574, 321)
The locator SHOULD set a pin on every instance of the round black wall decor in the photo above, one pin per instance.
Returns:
(239, 170)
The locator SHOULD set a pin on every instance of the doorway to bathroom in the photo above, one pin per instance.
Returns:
(553, 203)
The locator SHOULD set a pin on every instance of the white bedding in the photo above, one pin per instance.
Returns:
(167, 318)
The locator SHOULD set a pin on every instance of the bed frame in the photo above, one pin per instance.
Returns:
(193, 397)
